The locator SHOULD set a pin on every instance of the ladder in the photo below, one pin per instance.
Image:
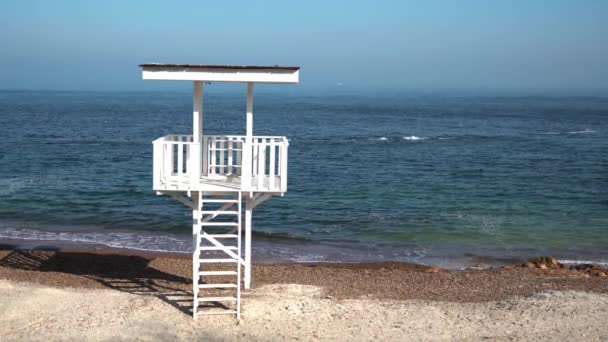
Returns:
(217, 255)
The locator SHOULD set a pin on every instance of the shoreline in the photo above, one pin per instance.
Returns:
(308, 252)
(385, 280)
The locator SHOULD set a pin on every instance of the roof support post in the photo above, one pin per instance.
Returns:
(248, 146)
(249, 109)
(197, 133)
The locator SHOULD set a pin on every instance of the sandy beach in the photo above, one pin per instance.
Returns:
(51, 295)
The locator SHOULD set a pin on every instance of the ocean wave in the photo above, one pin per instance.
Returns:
(582, 262)
(9, 186)
(405, 139)
(144, 241)
(414, 138)
(585, 131)
(417, 138)
(273, 249)
(153, 242)
(278, 236)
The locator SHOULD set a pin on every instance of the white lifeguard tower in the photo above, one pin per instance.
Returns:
(214, 174)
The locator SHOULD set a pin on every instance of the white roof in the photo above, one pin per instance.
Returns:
(220, 73)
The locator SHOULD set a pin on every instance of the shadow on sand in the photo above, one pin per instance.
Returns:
(126, 273)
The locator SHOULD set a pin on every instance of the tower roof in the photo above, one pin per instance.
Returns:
(220, 73)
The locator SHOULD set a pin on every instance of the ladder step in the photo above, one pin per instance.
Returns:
(232, 312)
(220, 224)
(217, 299)
(216, 273)
(220, 236)
(220, 212)
(211, 261)
(217, 286)
(218, 200)
(216, 248)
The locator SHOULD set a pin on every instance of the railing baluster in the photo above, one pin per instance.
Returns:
(222, 157)
(230, 152)
(188, 158)
(279, 147)
(180, 159)
(254, 162)
(212, 160)
(261, 163)
(169, 159)
(156, 164)
(272, 165)
(239, 157)
(205, 161)
(284, 144)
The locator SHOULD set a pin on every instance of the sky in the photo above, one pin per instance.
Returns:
(429, 45)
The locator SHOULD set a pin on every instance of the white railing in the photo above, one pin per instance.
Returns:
(222, 155)
(269, 162)
(224, 158)
(172, 159)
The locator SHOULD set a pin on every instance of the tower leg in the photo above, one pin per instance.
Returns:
(248, 212)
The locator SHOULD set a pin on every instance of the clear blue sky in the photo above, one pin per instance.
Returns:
(424, 45)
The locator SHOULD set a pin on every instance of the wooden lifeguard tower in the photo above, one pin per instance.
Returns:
(214, 174)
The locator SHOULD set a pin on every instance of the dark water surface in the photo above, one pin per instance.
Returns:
(440, 180)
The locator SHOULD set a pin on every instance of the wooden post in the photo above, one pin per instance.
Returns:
(195, 176)
(246, 179)
(157, 163)
(248, 212)
(249, 110)
(197, 133)
(197, 115)
(247, 147)
(283, 158)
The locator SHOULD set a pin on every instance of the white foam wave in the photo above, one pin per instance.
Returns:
(166, 242)
(383, 138)
(157, 242)
(585, 131)
(414, 138)
(581, 262)
(9, 186)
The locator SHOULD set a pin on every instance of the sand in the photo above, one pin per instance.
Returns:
(296, 312)
(54, 295)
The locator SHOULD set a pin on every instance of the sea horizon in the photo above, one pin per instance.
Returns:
(336, 89)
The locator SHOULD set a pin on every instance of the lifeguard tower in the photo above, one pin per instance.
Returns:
(214, 175)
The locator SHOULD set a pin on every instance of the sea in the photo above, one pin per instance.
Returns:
(448, 180)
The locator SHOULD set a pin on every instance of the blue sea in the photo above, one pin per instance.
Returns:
(436, 179)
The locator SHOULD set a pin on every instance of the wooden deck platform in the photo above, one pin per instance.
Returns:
(259, 184)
